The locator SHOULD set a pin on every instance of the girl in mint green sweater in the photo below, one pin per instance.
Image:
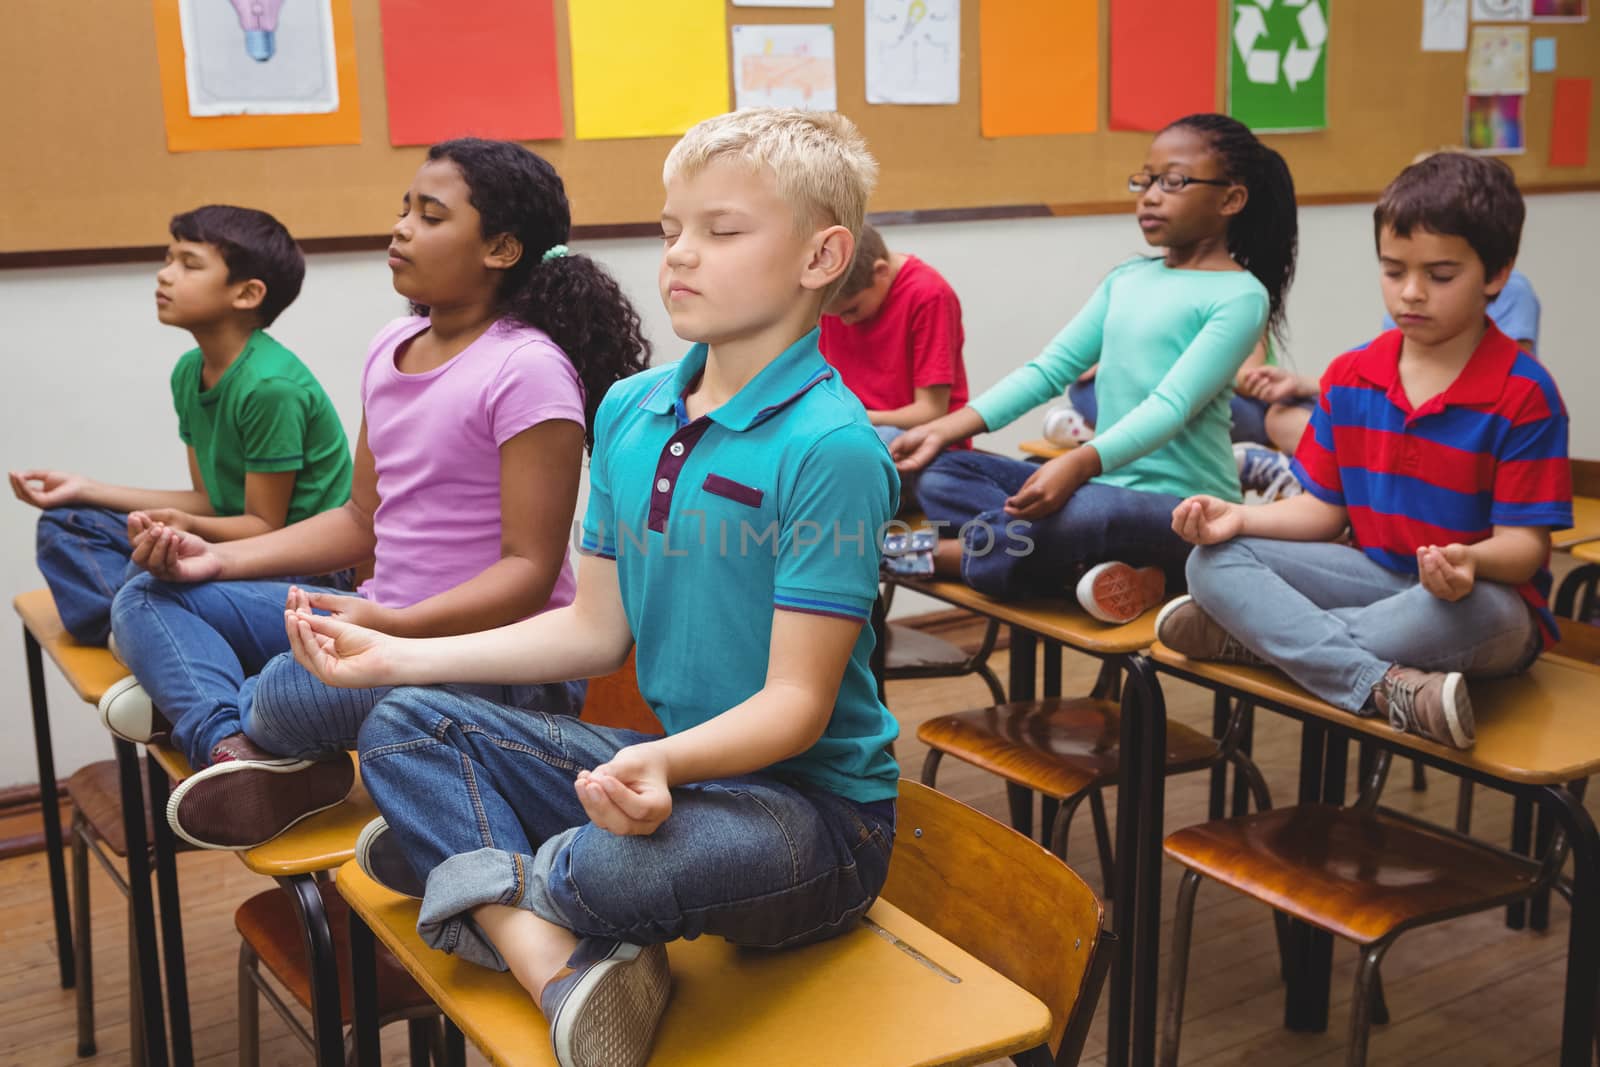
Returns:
(1168, 335)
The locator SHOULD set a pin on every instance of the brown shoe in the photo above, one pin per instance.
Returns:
(1117, 593)
(1431, 704)
(1184, 626)
(248, 795)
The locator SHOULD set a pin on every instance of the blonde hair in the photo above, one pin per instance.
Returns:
(818, 159)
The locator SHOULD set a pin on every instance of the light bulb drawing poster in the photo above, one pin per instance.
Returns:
(257, 73)
(784, 66)
(913, 51)
(259, 57)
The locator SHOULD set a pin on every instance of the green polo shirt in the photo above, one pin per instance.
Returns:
(266, 414)
(775, 500)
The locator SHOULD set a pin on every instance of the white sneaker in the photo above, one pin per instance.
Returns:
(126, 710)
(1065, 426)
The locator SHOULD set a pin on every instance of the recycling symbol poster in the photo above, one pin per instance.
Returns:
(1278, 75)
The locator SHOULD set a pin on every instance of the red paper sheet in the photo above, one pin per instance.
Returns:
(1163, 61)
(483, 69)
(1569, 123)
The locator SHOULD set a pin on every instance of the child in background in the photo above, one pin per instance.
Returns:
(894, 334)
(265, 446)
(1444, 449)
(475, 411)
(569, 853)
(1168, 335)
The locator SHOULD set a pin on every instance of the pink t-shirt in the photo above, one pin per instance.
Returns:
(435, 439)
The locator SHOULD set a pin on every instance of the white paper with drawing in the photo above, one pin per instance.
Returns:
(784, 66)
(1444, 25)
(1501, 10)
(259, 57)
(1498, 62)
(913, 51)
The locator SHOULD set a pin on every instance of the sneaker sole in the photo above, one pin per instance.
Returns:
(1453, 695)
(1117, 593)
(626, 997)
(222, 770)
(108, 701)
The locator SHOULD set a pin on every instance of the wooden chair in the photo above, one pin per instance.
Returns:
(909, 653)
(270, 938)
(943, 969)
(1361, 873)
(1068, 749)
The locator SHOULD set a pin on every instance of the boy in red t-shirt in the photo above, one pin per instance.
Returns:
(894, 335)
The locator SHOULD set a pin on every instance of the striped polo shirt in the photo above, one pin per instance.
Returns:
(1491, 450)
(775, 500)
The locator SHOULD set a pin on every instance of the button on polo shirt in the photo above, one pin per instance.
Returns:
(775, 500)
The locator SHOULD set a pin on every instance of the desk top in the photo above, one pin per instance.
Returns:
(1587, 552)
(1538, 728)
(889, 991)
(1044, 449)
(1585, 523)
(1052, 618)
(89, 670)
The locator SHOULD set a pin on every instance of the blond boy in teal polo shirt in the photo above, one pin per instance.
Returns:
(735, 507)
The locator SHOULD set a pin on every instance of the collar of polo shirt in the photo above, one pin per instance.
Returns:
(1481, 381)
(779, 384)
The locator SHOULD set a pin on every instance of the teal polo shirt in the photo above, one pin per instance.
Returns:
(775, 500)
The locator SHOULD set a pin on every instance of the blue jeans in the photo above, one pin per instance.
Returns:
(85, 557)
(482, 798)
(1334, 620)
(214, 657)
(1249, 414)
(1008, 558)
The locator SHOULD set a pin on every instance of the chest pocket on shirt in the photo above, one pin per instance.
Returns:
(732, 490)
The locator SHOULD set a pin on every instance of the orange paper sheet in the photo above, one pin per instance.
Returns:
(1040, 64)
(185, 133)
(1569, 123)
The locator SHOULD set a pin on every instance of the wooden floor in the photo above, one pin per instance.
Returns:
(1468, 992)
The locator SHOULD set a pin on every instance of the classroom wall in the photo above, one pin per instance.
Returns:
(89, 362)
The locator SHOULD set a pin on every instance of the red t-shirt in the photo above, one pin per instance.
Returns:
(914, 341)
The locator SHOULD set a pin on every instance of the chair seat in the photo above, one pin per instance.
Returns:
(890, 991)
(89, 670)
(96, 791)
(271, 925)
(908, 648)
(1362, 875)
(1055, 747)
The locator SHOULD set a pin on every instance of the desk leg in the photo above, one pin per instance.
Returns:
(455, 1044)
(171, 917)
(1022, 687)
(1216, 803)
(1146, 853)
(1247, 741)
(1522, 845)
(1125, 898)
(327, 1024)
(49, 807)
(364, 981)
(1583, 939)
(141, 906)
(1305, 1004)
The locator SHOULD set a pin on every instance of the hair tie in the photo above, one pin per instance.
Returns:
(555, 252)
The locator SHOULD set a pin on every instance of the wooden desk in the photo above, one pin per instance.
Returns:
(1535, 733)
(1044, 449)
(1585, 524)
(897, 993)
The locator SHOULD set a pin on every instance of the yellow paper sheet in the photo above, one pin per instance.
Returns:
(647, 69)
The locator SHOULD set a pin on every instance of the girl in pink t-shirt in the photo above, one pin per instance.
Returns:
(476, 411)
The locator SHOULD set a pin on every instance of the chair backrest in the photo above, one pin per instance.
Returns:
(1007, 901)
(614, 700)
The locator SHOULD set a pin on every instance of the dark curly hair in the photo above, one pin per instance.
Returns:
(570, 297)
(1264, 237)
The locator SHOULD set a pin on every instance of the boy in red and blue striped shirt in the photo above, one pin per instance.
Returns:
(1443, 448)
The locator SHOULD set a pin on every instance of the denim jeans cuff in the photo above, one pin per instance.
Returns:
(1365, 678)
(462, 883)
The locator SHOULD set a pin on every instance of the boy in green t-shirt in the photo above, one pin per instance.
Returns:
(265, 446)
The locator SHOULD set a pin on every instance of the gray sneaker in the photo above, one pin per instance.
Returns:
(1184, 626)
(380, 854)
(1431, 704)
(604, 1010)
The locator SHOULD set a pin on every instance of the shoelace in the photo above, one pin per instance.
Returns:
(1261, 468)
(1402, 704)
(1284, 485)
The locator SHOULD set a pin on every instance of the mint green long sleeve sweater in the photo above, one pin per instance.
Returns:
(1168, 343)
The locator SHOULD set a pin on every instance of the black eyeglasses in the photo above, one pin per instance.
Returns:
(1170, 182)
